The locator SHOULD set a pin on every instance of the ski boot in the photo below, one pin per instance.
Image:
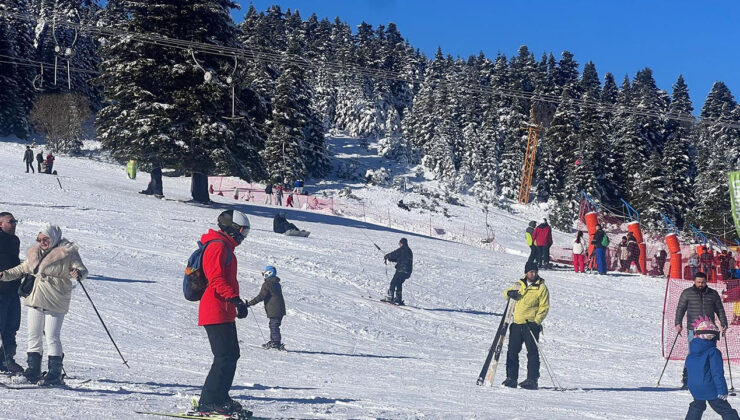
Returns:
(228, 408)
(399, 299)
(509, 382)
(389, 298)
(528, 384)
(273, 345)
(33, 372)
(54, 376)
(8, 365)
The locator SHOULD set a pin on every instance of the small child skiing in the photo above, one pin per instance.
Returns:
(706, 373)
(272, 293)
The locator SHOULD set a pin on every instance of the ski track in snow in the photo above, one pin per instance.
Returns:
(347, 357)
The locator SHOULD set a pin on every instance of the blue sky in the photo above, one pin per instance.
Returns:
(699, 39)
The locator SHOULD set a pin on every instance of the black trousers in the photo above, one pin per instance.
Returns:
(10, 321)
(518, 335)
(275, 329)
(721, 407)
(397, 281)
(544, 256)
(225, 349)
(29, 165)
(533, 254)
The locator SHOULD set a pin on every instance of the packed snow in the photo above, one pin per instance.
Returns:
(349, 357)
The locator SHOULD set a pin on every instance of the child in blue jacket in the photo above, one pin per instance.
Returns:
(706, 373)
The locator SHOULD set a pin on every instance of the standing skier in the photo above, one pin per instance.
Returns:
(404, 259)
(10, 302)
(542, 237)
(695, 301)
(272, 294)
(219, 306)
(533, 303)
(530, 242)
(28, 158)
(40, 159)
(279, 195)
(706, 373)
(600, 248)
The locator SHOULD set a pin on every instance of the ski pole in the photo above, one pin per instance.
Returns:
(667, 359)
(101, 321)
(555, 382)
(373, 242)
(729, 367)
(258, 325)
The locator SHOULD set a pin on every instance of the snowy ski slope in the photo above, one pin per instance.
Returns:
(349, 357)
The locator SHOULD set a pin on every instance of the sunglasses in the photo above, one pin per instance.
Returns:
(43, 240)
(13, 222)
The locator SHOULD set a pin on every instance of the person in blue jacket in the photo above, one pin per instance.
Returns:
(706, 373)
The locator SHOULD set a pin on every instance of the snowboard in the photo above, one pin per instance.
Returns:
(300, 233)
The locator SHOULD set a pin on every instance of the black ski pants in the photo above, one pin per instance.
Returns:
(10, 321)
(544, 256)
(518, 335)
(225, 349)
(29, 165)
(722, 407)
(533, 254)
(275, 329)
(397, 281)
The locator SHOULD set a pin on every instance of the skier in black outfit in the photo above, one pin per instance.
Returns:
(280, 224)
(404, 259)
(10, 303)
(39, 159)
(28, 158)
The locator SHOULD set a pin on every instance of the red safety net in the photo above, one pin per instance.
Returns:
(730, 292)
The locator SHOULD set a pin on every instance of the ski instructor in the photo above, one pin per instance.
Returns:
(696, 301)
(532, 304)
(404, 259)
(219, 306)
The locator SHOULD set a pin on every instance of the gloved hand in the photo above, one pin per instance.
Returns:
(514, 294)
(535, 327)
(722, 397)
(241, 307)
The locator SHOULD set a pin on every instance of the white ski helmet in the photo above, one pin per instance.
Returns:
(235, 224)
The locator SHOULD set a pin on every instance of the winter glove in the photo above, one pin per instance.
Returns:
(534, 327)
(241, 307)
(514, 294)
(722, 397)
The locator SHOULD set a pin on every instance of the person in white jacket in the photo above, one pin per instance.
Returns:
(56, 265)
(579, 250)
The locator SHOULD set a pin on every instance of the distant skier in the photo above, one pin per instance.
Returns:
(623, 253)
(272, 294)
(660, 259)
(634, 252)
(532, 304)
(279, 195)
(28, 158)
(268, 194)
(289, 201)
(40, 159)
(706, 373)
(218, 307)
(598, 242)
(530, 242)
(579, 252)
(695, 301)
(404, 259)
(542, 237)
(49, 163)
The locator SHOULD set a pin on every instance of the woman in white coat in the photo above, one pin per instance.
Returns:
(56, 264)
(579, 251)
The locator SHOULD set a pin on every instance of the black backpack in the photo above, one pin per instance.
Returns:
(194, 282)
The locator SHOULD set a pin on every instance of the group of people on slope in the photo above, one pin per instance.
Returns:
(539, 240)
(46, 279)
(45, 166)
(279, 190)
(582, 259)
(709, 261)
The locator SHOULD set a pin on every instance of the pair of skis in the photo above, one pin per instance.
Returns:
(488, 373)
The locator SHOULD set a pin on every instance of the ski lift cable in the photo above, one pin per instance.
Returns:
(282, 58)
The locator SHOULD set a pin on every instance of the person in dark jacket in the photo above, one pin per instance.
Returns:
(529, 238)
(660, 258)
(706, 373)
(39, 159)
(542, 237)
(218, 307)
(49, 163)
(272, 294)
(633, 251)
(600, 249)
(695, 301)
(280, 224)
(268, 193)
(28, 158)
(623, 253)
(10, 303)
(279, 195)
(404, 259)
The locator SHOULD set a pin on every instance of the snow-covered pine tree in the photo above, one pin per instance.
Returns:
(626, 153)
(561, 149)
(609, 96)
(677, 155)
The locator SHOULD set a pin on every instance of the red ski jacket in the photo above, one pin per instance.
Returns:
(215, 307)
(542, 235)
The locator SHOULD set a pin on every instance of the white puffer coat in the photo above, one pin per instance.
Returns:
(54, 283)
(578, 247)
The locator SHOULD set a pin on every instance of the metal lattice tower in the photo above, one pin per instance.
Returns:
(529, 158)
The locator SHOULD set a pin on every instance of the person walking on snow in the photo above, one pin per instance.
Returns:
(542, 237)
(56, 264)
(218, 308)
(404, 259)
(530, 242)
(28, 158)
(600, 245)
(706, 373)
(695, 301)
(532, 304)
(579, 251)
(40, 159)
(10, 302)
(272, 294)
(279, 195)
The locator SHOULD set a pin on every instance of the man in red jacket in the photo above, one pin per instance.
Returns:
(542, 237)
(219, 306)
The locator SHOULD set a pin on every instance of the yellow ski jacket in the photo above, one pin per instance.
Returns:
(535, 301)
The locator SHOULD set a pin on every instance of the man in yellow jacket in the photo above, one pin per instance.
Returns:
(532, 304)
